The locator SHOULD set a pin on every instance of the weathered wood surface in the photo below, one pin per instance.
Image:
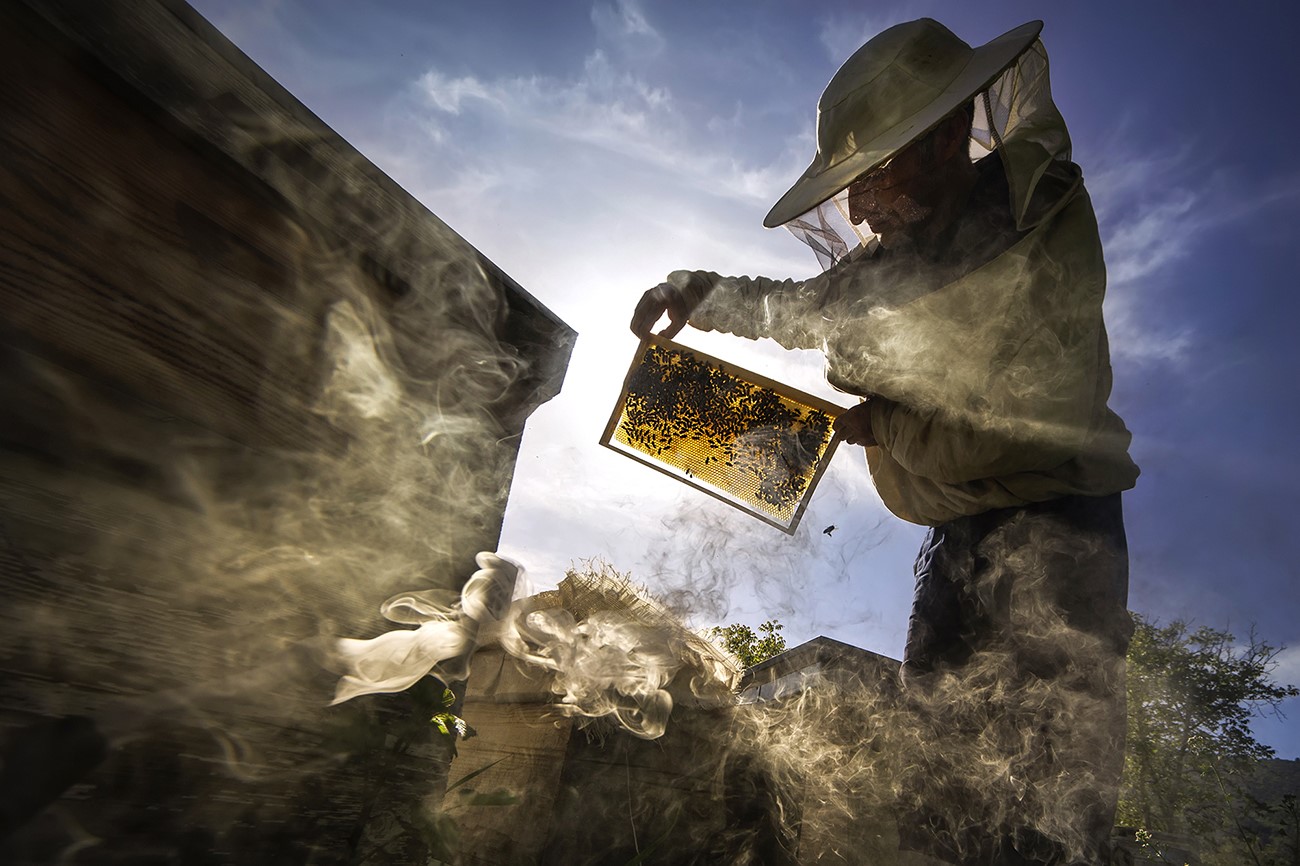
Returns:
(164, 52)
(591, 794)
(249, 390)
(520, 747)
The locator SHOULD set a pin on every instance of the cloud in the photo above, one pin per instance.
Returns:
(1155, 213)
(843, 34)
(605, 107)
(1143, 246)
(1281, 191)
(602, 105)
(1287, 666)
(1150, 221)
(1133, 338)
(1152, 237)
(447, 94)
(625, 25)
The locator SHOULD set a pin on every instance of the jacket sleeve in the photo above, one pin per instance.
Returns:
(788, 311)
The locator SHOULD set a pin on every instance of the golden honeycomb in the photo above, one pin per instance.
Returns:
(754, 443)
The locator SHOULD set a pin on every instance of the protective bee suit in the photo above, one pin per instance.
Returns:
(986, 363)
(990, 377)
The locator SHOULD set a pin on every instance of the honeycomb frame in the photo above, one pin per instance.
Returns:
(749, 441)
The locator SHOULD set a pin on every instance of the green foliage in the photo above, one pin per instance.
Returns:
(1152, 851)
(1191, 752)
(749, 648)
(1282, 832)
(449, 724)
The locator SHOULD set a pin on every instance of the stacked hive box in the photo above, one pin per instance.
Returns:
(251, 388)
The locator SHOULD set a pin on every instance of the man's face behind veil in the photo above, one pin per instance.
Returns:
(896, 198)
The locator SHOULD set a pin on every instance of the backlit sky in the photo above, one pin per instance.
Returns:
(590, 148)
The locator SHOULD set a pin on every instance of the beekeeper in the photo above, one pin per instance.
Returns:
(961, 300)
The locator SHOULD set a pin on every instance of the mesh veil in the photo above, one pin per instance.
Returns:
(1015, 116)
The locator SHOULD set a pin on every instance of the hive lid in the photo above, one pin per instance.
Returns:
(753, 443)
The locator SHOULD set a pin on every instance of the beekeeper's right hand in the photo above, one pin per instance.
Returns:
(677, 297)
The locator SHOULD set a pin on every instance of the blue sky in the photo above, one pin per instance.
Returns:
(590, 148)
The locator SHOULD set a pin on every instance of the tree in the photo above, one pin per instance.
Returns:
(750, 649)
(1282, 846)
(1191, 695)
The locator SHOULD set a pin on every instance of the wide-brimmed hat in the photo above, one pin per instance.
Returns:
(892, 91)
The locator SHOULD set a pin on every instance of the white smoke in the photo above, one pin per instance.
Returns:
(606, 665)
(442, 644)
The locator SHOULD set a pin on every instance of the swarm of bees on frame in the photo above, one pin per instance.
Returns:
(740, 437)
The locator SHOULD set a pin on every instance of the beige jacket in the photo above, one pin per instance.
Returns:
(988, 385)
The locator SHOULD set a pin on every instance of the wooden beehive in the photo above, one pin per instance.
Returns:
(251, 388)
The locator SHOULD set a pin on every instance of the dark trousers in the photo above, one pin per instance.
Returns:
(1014, 670)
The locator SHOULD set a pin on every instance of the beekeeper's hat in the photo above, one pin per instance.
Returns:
(893, 90)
